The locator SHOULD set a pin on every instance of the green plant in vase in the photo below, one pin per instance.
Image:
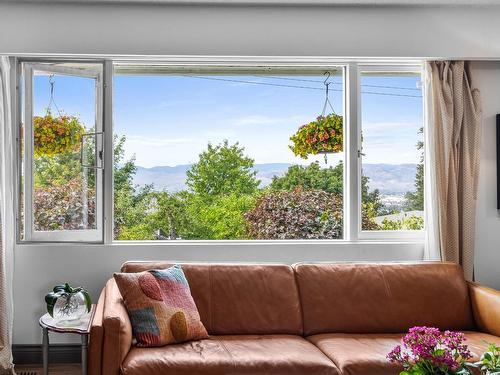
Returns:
(489, 363)
(67, 304)
(323, 135)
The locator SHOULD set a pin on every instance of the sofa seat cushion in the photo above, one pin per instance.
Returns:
(359, 354)
(248, 354)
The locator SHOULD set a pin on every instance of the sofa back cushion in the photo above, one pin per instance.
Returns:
(382, 298)
(237, 299)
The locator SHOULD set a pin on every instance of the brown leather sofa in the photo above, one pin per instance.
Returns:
(324, 318)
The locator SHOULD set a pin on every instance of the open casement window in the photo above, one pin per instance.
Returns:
(62, 152)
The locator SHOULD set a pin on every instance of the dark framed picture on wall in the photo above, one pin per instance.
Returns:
(498, 161)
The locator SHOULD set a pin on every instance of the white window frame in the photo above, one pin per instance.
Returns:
(352, 162)
(84, 235)
(403, 235)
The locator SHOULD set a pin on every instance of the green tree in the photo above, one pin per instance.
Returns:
(415, 200)
(371, 198)
(130, 203)
(223, 188)
(331, 180)
(153, 215)
(222, 170)
(311, 177)
(220, 219)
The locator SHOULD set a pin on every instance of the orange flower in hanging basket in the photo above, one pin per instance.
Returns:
(323, 135)
(56, 135)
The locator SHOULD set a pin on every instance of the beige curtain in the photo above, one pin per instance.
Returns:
(7, 230)
(456, 124)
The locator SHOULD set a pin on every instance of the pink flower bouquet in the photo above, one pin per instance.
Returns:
(427, 351)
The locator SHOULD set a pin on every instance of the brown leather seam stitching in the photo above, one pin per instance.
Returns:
(228, 353)
(299, 294)
(386, 284)
(210, 298)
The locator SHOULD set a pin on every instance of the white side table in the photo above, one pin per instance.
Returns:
(83, 329)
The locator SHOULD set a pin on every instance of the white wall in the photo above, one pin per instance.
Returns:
(266, 31)
(259, 31)
(487, 255)
(38, 268)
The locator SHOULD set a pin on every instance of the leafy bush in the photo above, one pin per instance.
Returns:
(60, 207)
(489, 363)
(325, 134)
(133, 214)
(56, 135)
(297, 214)
(223, 218)
(406, 223)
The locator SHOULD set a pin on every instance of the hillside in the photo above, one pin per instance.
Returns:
(388, 178)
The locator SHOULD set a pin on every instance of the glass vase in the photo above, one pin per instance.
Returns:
(69, 309)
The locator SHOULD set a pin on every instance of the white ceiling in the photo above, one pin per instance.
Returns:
(287, 2)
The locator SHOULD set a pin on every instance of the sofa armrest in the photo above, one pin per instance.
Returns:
(96, 335)
(485, 307)
(117, 339)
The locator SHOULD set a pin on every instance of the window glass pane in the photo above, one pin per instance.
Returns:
(392, 151)
(208, 157)
(64, 191)
(59, 193)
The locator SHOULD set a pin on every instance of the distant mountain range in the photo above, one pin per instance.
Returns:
(388, 178)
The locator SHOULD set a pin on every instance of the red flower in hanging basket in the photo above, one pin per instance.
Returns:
(56, 135)
(323, 135)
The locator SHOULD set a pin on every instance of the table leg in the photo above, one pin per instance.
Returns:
(85, 345)
(45, 351)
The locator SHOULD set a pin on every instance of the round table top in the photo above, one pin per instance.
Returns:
(82, 328)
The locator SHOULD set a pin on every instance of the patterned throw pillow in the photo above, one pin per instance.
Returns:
(160, 306)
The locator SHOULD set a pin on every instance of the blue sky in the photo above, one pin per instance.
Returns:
(168, 120)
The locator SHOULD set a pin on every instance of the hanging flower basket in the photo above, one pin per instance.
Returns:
(321, 136)
(56, 135)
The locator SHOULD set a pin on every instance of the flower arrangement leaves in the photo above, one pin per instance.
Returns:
(65, 291)
(56, 135)
(427, 351)
(325, 134)
(489, 363)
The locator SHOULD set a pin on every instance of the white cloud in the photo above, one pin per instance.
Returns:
(150, 152)
(382, 144)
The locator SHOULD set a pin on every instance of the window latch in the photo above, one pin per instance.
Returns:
(360, 154)
(98, 155)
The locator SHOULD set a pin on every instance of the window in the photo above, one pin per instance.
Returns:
(219, 152)
(392, 149)
(61, 152)
(207, 155)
